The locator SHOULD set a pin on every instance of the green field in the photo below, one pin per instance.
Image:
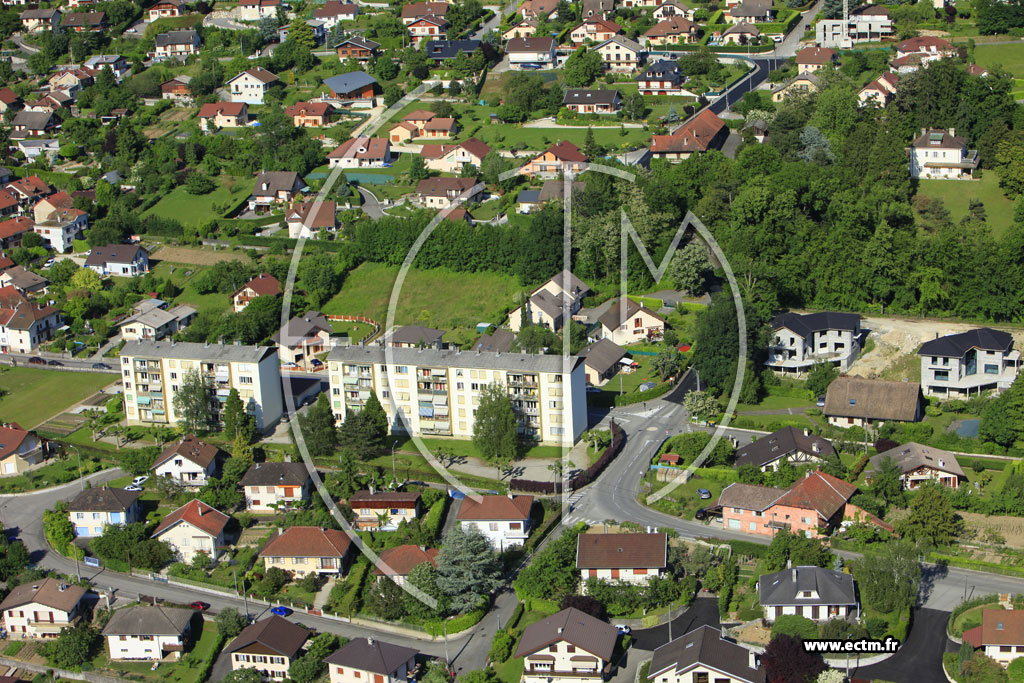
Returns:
(34, 395)
(436, 298)
(957, 195)
(215, 302)
(196, 209)
(1010, 57)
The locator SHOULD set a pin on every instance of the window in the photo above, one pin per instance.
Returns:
(493, 526)
(553, 648)
(991, 369)
(941, 375)
(245, 380)
(402, 370)
(570, 648)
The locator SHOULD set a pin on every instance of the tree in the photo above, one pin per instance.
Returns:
(889, 578)
(384, 598)
(86, 278)
(494, 427)
(1015, 672)
(418, 169)
(700, 404)
(72, 647)
(794, 625)
(233, 415)
(786, 661)
(376, 419)
(591, 150)
(244, 676)
(436, 672)
(585, 604)
(582, 68)
(831, 676)
(318, 429)
(635, 107)
(468, 569)
(689, 268)
(820, 376)
(197, 183)
(424, 577)
(932, 518)
(487, 675)
(301, 33)
(886, 482)
(192, 401)
(229, 622)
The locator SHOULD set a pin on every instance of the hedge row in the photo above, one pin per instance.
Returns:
(640, 396)
(988, 464)
(747, 548)
(967, 563)
(966, 605)
(287, 243)
(207, 668)
(435, 517)
(582, 479)
(457, 624)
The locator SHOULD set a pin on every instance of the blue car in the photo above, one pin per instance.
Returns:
(280, 611)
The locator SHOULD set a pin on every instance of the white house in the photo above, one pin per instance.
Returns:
(188, 461)
(193, 528)
(621, 558)
(800, 341)
(148, 632)
(367, 659)
(971, 362)
(938, 153)
(93, 509)
(531, 53)
(269, 485)
(504, 520)
(127, 260)
(1001, 634)
(812, 592)
(42, 609)
(251, 85)
(704, 655)
(567, 646)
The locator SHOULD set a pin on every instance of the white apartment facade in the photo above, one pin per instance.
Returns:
(436, 391)
(151, 372)
(968, 363)
(800, 341)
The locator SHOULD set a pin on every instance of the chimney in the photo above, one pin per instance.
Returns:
(807, 474)
(752, 659)
(369, 641)
(794, 574)
(807, 431)
(952, 132)
(509, 494)
(559, 630)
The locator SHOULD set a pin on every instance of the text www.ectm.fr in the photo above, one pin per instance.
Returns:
(890, 644)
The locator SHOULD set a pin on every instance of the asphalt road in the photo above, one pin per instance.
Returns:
(65, 363)
(702, 612)
(919, 659)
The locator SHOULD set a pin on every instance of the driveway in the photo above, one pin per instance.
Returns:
(370, 206)
(703, 612)
(920, 657)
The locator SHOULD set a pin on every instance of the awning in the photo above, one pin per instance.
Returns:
(144, 400)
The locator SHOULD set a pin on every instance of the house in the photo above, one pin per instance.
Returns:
(275, 187)
(544, 307)
(753, 11)
(62, 227)
(662, 78)
(627, 322)
(938, 153)
(930, 47)
(19, 449)
(194, 528)
(304, 549)
(428, 27)
(622, 558)
(866, 23)
(585, 101)
(270, 486)
(673, 30)
(398, 562)
(29, 190)
(367, 659)
(855, 401)
(71, 81)
(302, 338)
(80, 22)
(176, 45)
(919, 464)
(151, 371)
(361, 152)
(524, 28)
(176, 89)
(599, 8)
(440, 127)
(500, 341)
(251, 85)
(504, 520)
(601, 360)
(309, 114)
(356, 85)
(187, 461)
(126, 260)
(36, 20)
(539, 9)
(811, 592)
(411, 125)
(42, 608)
(801, 84)
(418, 10)
(619, 53)
(972, 69)
(453, 158)
(166, 8)
(33, 149)
(528, 201)
(799, 341)
(415, 337)
(1001, 634)
(815, 504)
(442, 50)
(595, 30)
(557, 159)
(907, 65)
(444, 193)
(216, 115)
(384, 510)
(117, 64)
(704, 654)
(672, 9)
(334, 11)
(93, 509)
(789, 444)
(977, 360)
(13, 230)
(8, 100)
(531, 53)
(702, 132)
(269, 646)
(50, 103)
(880, 90)
(148, 632)
(24, 281)
(303, 222)
(811, 59)
(568, 645)
(742, 33)
(26, 325)
(156, 323)
(254, 10)
(263, 284)
(356, 47)
(32, 123)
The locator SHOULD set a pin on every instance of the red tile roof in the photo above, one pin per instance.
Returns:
(308, 109)
(212, 109)
(325, 217)
(496, 508)
(673, 26)
(11, 437)
(820, 492)
(263, 284)
(475, 147)
(619, 551)
(361, 147)
(198, 514)
(1002, 627)
(696, 135)
(924, 44)
(8, 96)
(15, 226)
(307, 541)
(815, 55)
(403, 559)
(190, 448)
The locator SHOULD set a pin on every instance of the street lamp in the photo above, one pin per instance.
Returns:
(394, 471)
(447, 660)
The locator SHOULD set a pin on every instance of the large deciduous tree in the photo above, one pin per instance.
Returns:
(192, 401)
(494, 427)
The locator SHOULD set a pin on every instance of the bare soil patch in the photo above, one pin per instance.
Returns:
(197, 257)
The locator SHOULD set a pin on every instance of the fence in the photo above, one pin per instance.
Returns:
(357, 319)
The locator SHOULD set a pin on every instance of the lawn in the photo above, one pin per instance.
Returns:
(776, 403)
(356, 332)
(627, 383)
(957, 194)
(465, 447)
(1010, 57)
(30, 396)
(182, 276)
(197, 209)
(906, 367)
(436, 298)
(170, 672)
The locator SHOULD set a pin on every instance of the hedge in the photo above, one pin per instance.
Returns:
(993, 464)
(207, 669)
(287, 243)
(457, 624)
(517, 614)
(967, 563)
(582, 479)
(747, 548)
(639, 396)
(435, 517)
(966, 605)
(859, 466)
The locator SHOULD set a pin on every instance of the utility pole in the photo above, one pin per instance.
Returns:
(78, 571)
(394, 471)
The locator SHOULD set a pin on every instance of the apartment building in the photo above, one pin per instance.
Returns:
(959, 365)
(435, 391)
(152, 371)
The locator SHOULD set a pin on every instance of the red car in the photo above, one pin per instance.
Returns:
(36, 360)
(200, 605)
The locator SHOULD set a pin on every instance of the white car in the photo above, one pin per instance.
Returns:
(132, 487)
(139, 481)
(49, 262)
(623, 629)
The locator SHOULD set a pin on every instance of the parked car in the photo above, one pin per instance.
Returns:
(36, 360)
(280, 611)
(132, 487)
(704, 494)
(199, 605)
(821, 401)
(646, 386)
(100, 366)
(623, 629)
(55, 363)
(701, 514)
(316, 363)
(139, 481)
(49, 263)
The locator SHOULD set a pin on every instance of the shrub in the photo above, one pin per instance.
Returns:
(796, 626)
(501, 646)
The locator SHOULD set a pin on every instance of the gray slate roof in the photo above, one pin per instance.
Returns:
(176, 38)
(602, 355)
(227, 353)
(371, 655)
(103, 499)
(113, 253)
(144, 620)
(523, 362)
(910, 456)
(574, 627)
(782, 443)
(783, 587)
(956, 345)
(32, 120)
(276, 473)
(809, 323)
(704, 646)
(414, 334)
(345, 83)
